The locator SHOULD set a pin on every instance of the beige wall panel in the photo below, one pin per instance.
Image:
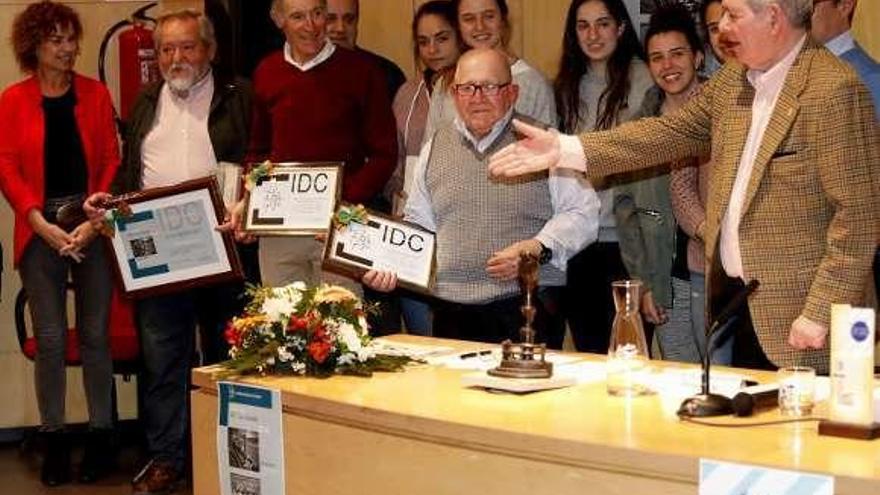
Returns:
(385, 29)
(866, 25)
(517, 20)
(169, 5)
(543, 23)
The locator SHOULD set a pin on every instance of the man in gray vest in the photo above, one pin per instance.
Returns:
(483, 224)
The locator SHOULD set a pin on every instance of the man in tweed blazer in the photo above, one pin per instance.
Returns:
(792, 199)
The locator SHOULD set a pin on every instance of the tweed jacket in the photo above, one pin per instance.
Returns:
(809, 225)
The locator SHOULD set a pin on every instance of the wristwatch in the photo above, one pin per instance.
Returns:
(546, 254)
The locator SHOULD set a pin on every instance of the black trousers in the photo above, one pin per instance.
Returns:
(499, 320)
(588, 303)
(747, 351)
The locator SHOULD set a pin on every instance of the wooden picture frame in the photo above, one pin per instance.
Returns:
(304, 208)
(170, 242)
(383, 243)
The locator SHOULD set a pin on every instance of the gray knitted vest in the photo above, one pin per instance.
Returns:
(477, 216)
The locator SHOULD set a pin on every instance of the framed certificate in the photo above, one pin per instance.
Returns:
(293, 199)
(169, 241)
(381, 243)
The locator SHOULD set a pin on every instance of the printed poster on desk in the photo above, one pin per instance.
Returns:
(250, 442)
(291, 198)
(373, 241)
(168, 241)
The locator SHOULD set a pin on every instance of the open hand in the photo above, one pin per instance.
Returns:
(538, 150)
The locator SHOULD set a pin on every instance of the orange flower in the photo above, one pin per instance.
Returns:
(319, 350)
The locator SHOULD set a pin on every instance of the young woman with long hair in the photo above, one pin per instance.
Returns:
(601, 82)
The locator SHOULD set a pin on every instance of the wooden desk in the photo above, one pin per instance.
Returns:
(420, 432)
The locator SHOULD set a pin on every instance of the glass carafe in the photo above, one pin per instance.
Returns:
(627, 364)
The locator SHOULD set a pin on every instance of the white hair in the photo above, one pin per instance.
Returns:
(206, 28)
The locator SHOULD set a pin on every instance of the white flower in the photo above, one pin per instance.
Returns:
(270, 361)
(284, 355)
(348, 335)
(366, 353)
(298, 367)
(345, 359)
(298, 286)
(276, 308)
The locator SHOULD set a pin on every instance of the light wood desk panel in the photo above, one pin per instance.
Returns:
(421, 432)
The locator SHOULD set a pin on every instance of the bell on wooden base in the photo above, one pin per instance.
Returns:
(526, 359)
(523, 361)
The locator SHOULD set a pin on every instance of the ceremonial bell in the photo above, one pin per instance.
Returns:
(526, 359)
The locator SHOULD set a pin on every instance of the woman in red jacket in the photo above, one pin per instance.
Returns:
(57, 144)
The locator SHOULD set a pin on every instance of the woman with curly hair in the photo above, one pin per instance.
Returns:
(57, 144)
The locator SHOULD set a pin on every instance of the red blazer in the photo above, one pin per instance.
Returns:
(22, 133)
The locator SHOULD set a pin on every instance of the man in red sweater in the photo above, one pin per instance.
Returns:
(314, 102)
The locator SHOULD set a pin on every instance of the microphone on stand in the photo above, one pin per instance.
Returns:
(706, 403)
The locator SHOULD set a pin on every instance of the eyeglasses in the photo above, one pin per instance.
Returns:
(470, 89)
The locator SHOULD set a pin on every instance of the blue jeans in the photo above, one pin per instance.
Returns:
(416, 316)
(677, 336)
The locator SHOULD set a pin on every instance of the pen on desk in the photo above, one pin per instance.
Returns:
(468, 355)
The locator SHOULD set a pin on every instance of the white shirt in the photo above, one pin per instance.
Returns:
(575, 220)
(841, 43)
(767, 86)
(178, 147)
(315, 61)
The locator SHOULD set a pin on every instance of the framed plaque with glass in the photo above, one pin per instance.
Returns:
(166, 240)
(363, 240)
(291, 198)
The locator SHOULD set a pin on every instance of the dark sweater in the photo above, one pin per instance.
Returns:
(336, 111)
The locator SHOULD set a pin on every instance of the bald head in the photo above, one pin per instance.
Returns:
(482, 61)
(483, 89)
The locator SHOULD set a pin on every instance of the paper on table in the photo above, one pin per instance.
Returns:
(684, 382)
(417, 351)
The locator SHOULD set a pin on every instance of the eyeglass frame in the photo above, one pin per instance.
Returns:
(487, 89)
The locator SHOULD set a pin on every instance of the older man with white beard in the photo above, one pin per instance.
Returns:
(179, 130)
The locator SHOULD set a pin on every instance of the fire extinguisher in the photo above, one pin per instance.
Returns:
(138, 62)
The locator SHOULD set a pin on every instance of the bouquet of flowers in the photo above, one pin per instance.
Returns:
(301, 330)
